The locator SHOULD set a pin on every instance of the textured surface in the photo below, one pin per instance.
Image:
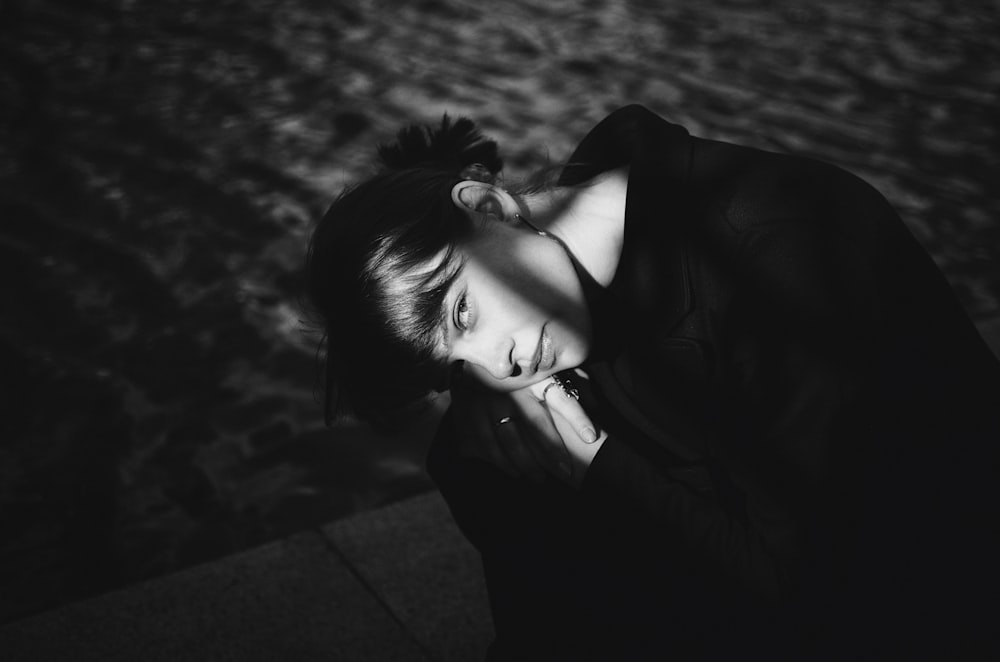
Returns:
(429, 576)
(290, 600)
(160, 164)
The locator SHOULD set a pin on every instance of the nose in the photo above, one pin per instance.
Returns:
(496, 358)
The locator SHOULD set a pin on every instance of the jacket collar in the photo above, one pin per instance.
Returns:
(652, 277)
(642, 310)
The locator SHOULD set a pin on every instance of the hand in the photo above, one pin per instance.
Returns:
(580, 437)
(534, 436)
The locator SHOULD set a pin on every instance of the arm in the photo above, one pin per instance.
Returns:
(567, 573)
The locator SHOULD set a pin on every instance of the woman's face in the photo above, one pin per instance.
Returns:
(516, 313)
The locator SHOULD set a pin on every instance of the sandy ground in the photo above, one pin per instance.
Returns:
(161, 164)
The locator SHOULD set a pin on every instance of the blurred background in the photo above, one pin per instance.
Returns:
(161, 164)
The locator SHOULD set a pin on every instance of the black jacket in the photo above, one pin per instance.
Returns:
(802, 422)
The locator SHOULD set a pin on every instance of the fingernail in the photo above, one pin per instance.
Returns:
(589, 435)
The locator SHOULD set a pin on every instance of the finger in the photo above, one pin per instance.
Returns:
(573, 413)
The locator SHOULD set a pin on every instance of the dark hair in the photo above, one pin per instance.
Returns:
(379, 265)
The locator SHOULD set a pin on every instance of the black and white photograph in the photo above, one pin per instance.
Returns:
(453, 331)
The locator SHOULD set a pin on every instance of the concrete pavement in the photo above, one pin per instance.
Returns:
(399, 583)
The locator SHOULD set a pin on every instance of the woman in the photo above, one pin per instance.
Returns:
(785, 436)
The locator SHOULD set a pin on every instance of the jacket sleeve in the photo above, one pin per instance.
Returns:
(567, 579)
(750, 544)
(790, 394)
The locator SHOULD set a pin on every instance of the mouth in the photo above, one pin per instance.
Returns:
(544, 354)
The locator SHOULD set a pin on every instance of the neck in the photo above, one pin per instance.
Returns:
(589, 220)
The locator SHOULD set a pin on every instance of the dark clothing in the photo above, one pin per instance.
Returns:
(803, 431)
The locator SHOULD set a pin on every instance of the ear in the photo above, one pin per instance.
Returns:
(484, 198)
(481, 197)
(469, 194)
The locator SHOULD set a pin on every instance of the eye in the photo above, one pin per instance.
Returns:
(462, 313)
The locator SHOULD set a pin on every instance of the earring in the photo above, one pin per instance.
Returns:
(543, 233)
(522, 219)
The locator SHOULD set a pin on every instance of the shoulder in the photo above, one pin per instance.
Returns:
(626, 136)
(745, 185)
(750, 187)
(640, 128)
(754, 189)
(633, 113)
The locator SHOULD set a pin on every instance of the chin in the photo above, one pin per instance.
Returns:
(571, 355)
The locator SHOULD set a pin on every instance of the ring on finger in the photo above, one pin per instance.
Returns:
(502, 421)
(565, 385)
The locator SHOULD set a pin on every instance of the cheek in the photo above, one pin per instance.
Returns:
(509, 295)
(542, 286)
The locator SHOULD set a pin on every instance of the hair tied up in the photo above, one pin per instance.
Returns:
(477, 172)
(456, 147)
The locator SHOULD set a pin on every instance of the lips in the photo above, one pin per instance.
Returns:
(544, 356)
